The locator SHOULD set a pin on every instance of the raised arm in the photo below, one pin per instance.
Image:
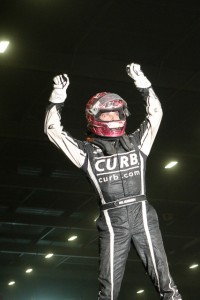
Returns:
(149, 128)
(71, 147)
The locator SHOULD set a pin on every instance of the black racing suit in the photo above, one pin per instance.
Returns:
(116, 170)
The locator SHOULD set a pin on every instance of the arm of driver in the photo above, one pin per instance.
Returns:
(61, 138)
(154, 117)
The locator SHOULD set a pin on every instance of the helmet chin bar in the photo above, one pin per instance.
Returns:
(115, 124)
(109, 129)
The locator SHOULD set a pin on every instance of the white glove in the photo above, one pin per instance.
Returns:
(60, 84)
(134, 71)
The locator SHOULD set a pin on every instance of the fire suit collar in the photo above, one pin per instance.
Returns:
(110, 145)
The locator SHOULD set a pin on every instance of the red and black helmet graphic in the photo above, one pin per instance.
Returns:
(106, 102)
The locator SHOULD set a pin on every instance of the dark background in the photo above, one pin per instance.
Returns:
(43, 198)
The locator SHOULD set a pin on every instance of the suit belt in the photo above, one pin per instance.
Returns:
(123, 202)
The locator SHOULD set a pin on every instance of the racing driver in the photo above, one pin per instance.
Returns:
(115, 164)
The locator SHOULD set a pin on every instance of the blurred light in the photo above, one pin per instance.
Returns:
(140, 291)
(11, 283)
(72, 238)
(95, 219)
(3, 46)
(171, 165)
(49, 255)
(29, 270)
(194, 266)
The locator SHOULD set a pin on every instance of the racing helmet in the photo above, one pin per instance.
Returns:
(106, 102)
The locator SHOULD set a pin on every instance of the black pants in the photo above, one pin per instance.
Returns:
(117, 228)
